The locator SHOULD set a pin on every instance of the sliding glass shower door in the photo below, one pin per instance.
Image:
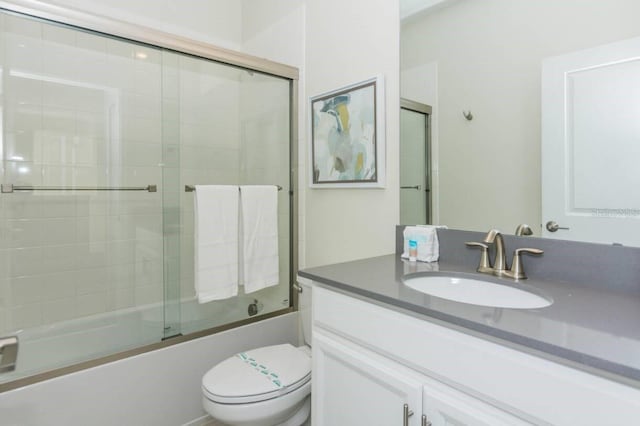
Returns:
(99, 138)
(82, 237)
(227, 126)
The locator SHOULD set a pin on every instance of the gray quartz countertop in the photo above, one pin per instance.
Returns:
(586, 327)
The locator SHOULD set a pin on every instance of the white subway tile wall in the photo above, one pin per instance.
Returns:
(79, 110)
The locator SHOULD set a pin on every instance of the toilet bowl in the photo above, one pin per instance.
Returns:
(266, 386)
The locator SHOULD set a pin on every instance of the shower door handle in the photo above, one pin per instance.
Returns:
(8, 353)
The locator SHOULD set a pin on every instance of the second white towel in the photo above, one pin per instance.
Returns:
(259, 230)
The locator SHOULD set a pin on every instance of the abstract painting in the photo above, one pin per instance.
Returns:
(345, 137)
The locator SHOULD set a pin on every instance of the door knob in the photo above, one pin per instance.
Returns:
(553, 226)
(411, 187)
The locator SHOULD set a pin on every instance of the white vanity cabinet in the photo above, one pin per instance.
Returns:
(370, 360)
(352, 386)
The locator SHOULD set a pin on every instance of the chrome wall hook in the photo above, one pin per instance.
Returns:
(467, 115)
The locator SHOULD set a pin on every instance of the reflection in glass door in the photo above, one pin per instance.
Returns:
(415, 195)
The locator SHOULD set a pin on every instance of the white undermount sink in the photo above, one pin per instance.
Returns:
(476, 292)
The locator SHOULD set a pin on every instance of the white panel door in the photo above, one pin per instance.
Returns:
(352, 386)
(591, 144)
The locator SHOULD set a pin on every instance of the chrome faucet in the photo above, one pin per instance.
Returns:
(500, 262)
(499, 266)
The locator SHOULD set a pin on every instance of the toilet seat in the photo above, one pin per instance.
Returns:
(258, 375)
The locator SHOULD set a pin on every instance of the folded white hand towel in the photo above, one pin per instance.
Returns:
(216, 241)
(426, 238)
(260, 260)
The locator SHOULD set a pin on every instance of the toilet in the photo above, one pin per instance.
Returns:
(267, 386)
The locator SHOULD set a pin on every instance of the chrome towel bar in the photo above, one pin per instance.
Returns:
(191, 188)
(8, 188)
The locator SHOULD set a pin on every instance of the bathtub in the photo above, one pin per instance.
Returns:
(66, 343)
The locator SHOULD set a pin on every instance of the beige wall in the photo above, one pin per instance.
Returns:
(489, 55)
(347, 42)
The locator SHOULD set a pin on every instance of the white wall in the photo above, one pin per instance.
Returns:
(347, 42)
(213, 21)
(335, 225)
(489, 57)
(275, 30)
(157, 388)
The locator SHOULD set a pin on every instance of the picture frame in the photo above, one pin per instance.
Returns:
(347, 137)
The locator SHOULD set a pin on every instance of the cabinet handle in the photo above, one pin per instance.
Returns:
(425, 422)
(405, 415)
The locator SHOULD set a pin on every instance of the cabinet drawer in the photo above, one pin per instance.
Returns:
(534, 388)
(444, 405)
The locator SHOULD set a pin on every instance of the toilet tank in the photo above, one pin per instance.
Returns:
(304, 309)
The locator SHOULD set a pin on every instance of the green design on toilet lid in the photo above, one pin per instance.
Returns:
(262, 369)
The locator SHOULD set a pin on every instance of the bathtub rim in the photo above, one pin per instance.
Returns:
(84, 365)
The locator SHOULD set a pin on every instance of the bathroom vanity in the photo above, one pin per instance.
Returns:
(384, 353)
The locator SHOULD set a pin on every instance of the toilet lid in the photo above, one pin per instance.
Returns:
(257, 375)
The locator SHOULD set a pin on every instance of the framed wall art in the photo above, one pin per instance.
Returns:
(347, 137)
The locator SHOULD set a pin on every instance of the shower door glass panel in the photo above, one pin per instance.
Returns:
(81, 270)
(413, 172)
(233, 127)
(93, 262)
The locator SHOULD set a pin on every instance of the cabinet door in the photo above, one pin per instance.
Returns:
(446, 406)
(353, 386)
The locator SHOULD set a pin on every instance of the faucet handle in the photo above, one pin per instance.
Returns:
(517, 269)
(485, 264)
(527, 250)
(523, 230)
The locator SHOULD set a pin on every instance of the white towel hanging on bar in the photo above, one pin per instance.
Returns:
(216, 242)
(260, 261)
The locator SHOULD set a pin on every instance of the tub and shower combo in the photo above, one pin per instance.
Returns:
(105, 129)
